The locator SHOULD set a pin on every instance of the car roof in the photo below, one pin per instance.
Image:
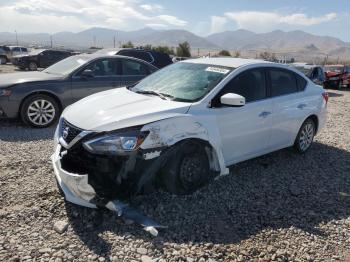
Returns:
(101, 55)
(225, 61)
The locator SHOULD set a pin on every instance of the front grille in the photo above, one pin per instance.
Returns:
(69, 131)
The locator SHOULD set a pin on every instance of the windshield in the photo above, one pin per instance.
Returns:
(337, 69)
(66, 66)
(187, 82)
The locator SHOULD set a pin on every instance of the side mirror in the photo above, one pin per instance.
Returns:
(87, 73)
(231, 99)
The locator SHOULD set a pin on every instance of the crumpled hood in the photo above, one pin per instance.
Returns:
(7, 80)
(120, 108)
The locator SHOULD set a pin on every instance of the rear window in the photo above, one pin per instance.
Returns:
(283, 82)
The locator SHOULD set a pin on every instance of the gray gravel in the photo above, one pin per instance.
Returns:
(280, 207)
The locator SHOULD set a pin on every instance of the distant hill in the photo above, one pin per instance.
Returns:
(292, 44)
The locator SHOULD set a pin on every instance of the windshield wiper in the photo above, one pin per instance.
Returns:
(149, 92)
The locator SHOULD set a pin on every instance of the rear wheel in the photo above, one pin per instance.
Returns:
(305, 136)
(187, 170)
(40, 111)
(32, 66)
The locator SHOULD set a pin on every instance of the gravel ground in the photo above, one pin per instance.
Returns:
(279, 207)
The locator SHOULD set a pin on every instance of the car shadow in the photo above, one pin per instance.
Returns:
(13, 130)
(279, 190)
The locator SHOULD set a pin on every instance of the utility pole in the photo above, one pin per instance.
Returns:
(16, 37)
(114, 41)
(51, 41)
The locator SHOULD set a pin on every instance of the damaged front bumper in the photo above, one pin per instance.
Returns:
(77, 190)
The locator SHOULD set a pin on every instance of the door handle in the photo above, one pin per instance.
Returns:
(264, 114)
(301, 106)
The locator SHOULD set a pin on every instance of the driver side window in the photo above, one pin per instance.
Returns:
(249, 84)
(103, 67)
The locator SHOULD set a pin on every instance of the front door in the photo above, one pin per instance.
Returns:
(104, 76)
(245, 131)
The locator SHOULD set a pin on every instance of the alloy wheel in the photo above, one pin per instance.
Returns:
(306, 136)
(41, 112)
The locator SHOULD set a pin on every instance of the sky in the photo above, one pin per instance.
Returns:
(201, 17)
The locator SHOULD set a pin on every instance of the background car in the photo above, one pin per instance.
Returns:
(337, 76)
(4, 53)
(16, 51)
(38, 98)
(155, 58)
(39, 58)
(315, 73)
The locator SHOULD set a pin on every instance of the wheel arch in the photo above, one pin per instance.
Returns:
(50, 94)
(210, 150)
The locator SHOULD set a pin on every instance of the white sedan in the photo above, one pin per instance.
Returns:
(182, 126)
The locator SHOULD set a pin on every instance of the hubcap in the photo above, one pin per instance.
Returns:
(41, 112)
(191, 171)
(306, 136)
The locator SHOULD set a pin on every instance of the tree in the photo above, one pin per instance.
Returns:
(183, 50)
(224, 53)
(147, 47)
(128, 45)
(164, 49)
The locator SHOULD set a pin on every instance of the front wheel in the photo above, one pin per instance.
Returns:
(40, 111)
(187, 169)
(305, 136)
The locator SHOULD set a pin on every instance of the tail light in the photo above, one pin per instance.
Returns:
(325, 96)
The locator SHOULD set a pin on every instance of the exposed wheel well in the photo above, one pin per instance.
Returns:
(42, 93)
(211, 152)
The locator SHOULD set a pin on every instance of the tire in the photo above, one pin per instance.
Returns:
(40, 111)
(305, 136)
(187, 169)
(32, 66)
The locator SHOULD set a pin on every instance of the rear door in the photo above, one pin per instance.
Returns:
(290, 106)
(105, 75)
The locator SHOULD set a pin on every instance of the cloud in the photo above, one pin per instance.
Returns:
(75, 15)
(152, 7)
(217, 24)
(261, 21)
(172, 20)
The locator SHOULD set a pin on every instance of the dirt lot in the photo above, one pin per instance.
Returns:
(280, 207)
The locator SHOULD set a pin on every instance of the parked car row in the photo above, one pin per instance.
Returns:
(330, 76)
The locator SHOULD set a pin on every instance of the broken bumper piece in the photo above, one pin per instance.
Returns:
(78, 191)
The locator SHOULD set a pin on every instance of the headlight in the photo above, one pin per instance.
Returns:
(5, 92)
(116, 144)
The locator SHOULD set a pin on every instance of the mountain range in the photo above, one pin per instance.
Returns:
(297, 44)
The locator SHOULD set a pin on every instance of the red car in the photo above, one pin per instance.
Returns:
(337, 76)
